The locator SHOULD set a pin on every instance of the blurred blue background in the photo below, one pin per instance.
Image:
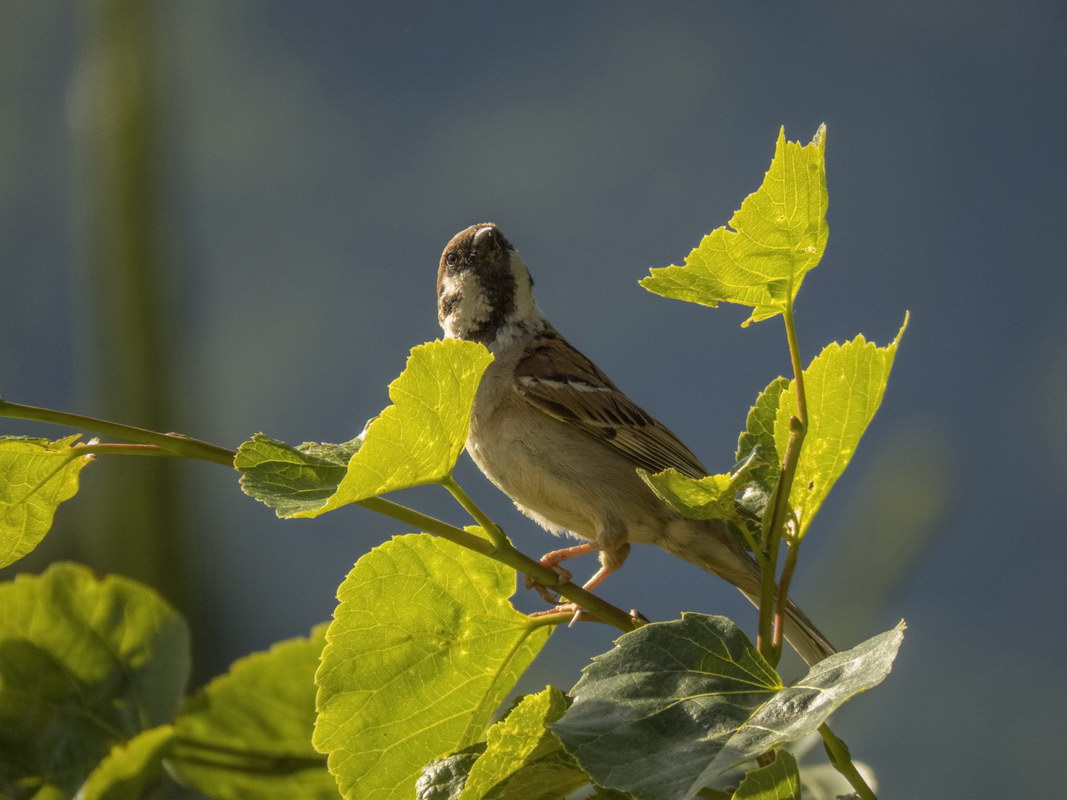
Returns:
(302, 167)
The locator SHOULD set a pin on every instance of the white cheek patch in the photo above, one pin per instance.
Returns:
(469, 310)
(525, 306)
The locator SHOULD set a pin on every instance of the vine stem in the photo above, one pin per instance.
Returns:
(182, 446)
(174, 442)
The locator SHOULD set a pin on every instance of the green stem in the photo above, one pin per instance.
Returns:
(491, 528)
(798, 367)
(783, 592)
(176, 443)
(841, 759)
(771, 606)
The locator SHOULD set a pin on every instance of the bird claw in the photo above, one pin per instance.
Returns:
(566, 608)
(546, 592)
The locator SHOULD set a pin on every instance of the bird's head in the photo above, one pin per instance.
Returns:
(483, 286)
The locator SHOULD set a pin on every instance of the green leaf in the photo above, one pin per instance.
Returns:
(844, 387)
(131, 768)
(778, 235)
(291, 479)
(413, 442)
(444, 778)
(779, 780)
(85, 663)
(677, 703)
(523, 759)
(36, 475)
(710, 497)
(422, 649)
(248, 732)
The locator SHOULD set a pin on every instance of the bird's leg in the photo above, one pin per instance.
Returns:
(610, 560)
(552, 561)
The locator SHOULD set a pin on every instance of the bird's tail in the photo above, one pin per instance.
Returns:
(713, 547)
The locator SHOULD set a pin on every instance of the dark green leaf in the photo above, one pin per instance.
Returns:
(758, 437)
(444, 778)
(292, 479)
(422, 649)
(248, 732)
(675, 704)
(85, 663)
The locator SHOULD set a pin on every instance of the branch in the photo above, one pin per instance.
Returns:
(177, 445)
(174, 442)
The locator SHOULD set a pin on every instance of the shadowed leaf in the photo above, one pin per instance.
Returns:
(675, 704)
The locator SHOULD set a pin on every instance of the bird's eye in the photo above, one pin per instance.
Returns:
(452, 259)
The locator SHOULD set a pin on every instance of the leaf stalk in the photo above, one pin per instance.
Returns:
(841, 759)
(491, 528)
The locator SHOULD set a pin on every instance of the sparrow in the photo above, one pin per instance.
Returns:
(552, 432)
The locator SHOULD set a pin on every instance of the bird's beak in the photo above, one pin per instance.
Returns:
(483, 240)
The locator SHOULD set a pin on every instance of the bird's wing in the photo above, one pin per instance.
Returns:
(563, 383)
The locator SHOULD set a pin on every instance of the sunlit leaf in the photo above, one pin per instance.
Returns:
(36, 475)
(675, 704)
(86, 662)
(248, 732)
(710, 497)
(131, 768)
(844, 387)
(423, 647)
(413, 442)
(523, 759)
(776, 237)
(779, 780)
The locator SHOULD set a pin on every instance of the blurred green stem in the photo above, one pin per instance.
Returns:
(133, 524)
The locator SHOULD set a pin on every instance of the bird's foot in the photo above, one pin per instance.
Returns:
(546, 592)
(575, 610)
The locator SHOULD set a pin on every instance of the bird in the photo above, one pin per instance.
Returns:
(560, 439)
